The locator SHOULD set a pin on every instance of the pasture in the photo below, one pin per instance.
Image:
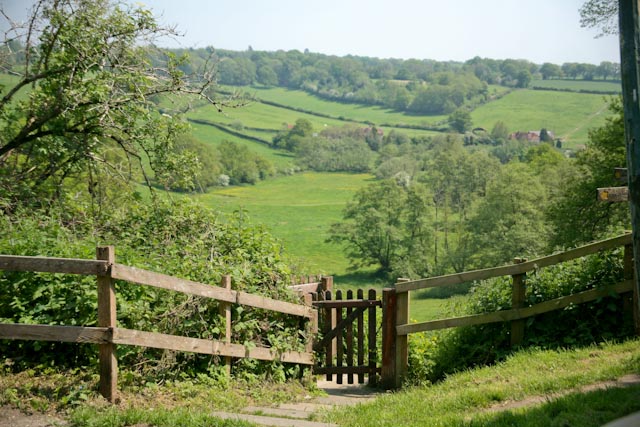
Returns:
(605, 86)
(568, 115)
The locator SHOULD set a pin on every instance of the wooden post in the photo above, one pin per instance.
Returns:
(329, 324)
(518, 299)
(360, 337)
(349, 339)
(225, 311)
(389, 302)
(107, 319)
(402, 341)
(372, 341)
(326, 283)
(628, 274)
(340, 349)
(629, 45)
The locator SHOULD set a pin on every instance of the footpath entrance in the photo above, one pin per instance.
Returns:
(348, 338)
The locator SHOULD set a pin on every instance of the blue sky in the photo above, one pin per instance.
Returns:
(540, 30)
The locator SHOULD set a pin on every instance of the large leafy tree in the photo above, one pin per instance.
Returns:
(387, 225)
(80, 102)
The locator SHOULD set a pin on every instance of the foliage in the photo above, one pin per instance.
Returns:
(576, 205)
(334, 155)
(385, 226)
(242, 165)
(181, 239)
(597, 321)
(292, 137)
(87, 83)
(460, 121)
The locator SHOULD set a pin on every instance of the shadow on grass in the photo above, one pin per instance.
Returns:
(444, 292)
(589, 409)
(361, 280)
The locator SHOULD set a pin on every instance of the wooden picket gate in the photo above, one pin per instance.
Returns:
(347, 346)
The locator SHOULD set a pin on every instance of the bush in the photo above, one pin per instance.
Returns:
(181, 239)
(576, 325)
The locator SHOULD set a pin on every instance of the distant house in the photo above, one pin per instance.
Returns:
(531, 136)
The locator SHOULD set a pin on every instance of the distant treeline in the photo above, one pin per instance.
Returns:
(414, 86)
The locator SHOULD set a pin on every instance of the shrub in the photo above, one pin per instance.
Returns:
(576, 325)
(181, 239)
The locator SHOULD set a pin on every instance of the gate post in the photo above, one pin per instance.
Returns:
(389, 302)
(395, 350)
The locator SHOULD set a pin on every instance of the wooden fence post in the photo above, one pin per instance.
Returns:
(518, 299)
(225, 311)
(326, 283)
(402, 341)
(389, 301)
(629, 275)
(107, 319)
(395, 351)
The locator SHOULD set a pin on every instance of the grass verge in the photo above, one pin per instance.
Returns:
(470, 398)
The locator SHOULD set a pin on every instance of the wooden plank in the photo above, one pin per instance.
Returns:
(402, 344)
(372, 341)
(75, 334)
(510, 270)
(107, 318)
(158, 280)
(335, 331)
(338, 329)
(613, 194)
(329, 322)
(342, 370)
(87, 267)
(349, 337)
(518, 300)
(327, 283)
(265, 303)
(515, 314)
(360, 337)
(198, 345)
(352, 303)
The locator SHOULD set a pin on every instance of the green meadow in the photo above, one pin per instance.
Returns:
(299, 210)
(604, 86)
(568, 115)
(357, 112)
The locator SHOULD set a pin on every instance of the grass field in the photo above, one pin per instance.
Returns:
(214, 136)
(578, 85)
(568, 115)
(374, 114)
(298, 209)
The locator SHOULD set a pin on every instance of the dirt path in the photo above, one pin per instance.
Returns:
(11, 417)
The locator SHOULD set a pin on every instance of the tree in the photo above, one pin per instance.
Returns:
(386, 225)
(544, 135)
(460, 121)
(523, 78)
(500, 132)
(549, 70)
(81, 104)
(601, 14)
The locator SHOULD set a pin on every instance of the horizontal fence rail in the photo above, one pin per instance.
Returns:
(107, 334)
(510, 270)
(396, 301)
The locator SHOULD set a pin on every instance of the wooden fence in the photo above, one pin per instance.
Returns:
(107, 335)
(348, 345)
(396, 302)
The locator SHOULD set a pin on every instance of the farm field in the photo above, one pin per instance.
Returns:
(568, 115)
(358, 112)
(214, 136)
(299, 210)
(578, 85)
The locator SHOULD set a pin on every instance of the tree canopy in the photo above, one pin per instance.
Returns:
(81, 100)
